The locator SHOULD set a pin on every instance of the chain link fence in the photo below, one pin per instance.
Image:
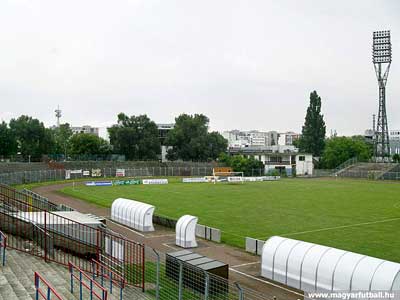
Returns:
(169, 278)
(37, 176)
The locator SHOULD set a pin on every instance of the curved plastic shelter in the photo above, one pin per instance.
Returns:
(134, 214)
(314, 268)
(186, 231)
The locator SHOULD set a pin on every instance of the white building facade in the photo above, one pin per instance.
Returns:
(241, 139)
(284, 159)
(394, 141)
(85, 129)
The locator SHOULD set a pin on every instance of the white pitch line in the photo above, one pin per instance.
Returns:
(266, 282)
(339, 227)
(166, 245)
(246, 264)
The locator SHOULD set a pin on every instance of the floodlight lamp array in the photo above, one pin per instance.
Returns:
(381, 47)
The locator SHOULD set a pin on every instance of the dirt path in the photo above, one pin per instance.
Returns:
(244, 267)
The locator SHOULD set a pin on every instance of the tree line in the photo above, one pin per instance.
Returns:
(136, 137)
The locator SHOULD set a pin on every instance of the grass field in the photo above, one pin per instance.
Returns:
(356, 215)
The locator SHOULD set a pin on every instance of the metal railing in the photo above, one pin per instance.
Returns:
(47, 295)
(345, 164)
(90, 286)
(56, 238)
(112, 276)
(3, 246)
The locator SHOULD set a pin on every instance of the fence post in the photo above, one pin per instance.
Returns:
(240, 290)
(207, 285)
(180, 292)
(37, 287)
(45, 236)
(72, 278)
(80, 285)
(157, 275)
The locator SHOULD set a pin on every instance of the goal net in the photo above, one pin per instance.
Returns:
(227, 176)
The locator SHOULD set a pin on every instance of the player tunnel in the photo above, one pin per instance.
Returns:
(315, 268)
(134, 214)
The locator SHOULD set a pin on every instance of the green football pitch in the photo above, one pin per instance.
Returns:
(357, 215)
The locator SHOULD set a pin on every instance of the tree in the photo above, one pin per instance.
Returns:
(62, 135)
(239, 163)
(340, 149)
(8, 143)
(396, 158)
(33, 139)
(88, 144)
(136, 137)
(190, 139)
(313, 133)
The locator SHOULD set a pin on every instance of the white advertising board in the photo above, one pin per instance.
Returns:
(235, 179)
(120, 173)
(196, 179)
(155, 181)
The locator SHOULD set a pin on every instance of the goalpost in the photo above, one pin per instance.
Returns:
(227, 175)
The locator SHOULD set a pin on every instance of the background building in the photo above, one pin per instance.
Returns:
(238, 138)
(394, 141)
(281, 158)
(86, 129)
(287, 138)
(163, 130)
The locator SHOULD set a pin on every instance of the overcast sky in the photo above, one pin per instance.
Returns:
(245, 64)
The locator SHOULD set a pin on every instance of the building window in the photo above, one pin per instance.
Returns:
(302, 158)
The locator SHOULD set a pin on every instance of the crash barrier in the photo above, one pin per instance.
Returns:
(254, 246)
(92, 286)
(186, 231)
(134, 214)
(50, 292)
(79, 236)
(3, 246)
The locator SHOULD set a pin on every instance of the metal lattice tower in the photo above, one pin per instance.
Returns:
(58, 115)
(382, 58)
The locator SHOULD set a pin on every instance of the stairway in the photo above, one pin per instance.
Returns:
(17, 279)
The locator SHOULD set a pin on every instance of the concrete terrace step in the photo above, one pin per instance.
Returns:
(365, 169)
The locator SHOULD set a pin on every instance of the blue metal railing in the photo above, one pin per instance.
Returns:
(110, 275)
(3, 246)
(50, 290)
(82, 284)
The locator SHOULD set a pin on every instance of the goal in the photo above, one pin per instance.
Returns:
(227, 175)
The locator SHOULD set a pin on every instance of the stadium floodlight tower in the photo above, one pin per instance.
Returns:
(382, 58)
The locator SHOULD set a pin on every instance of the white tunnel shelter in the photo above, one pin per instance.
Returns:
(134, 214)
(186, 231)
(314, 268)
